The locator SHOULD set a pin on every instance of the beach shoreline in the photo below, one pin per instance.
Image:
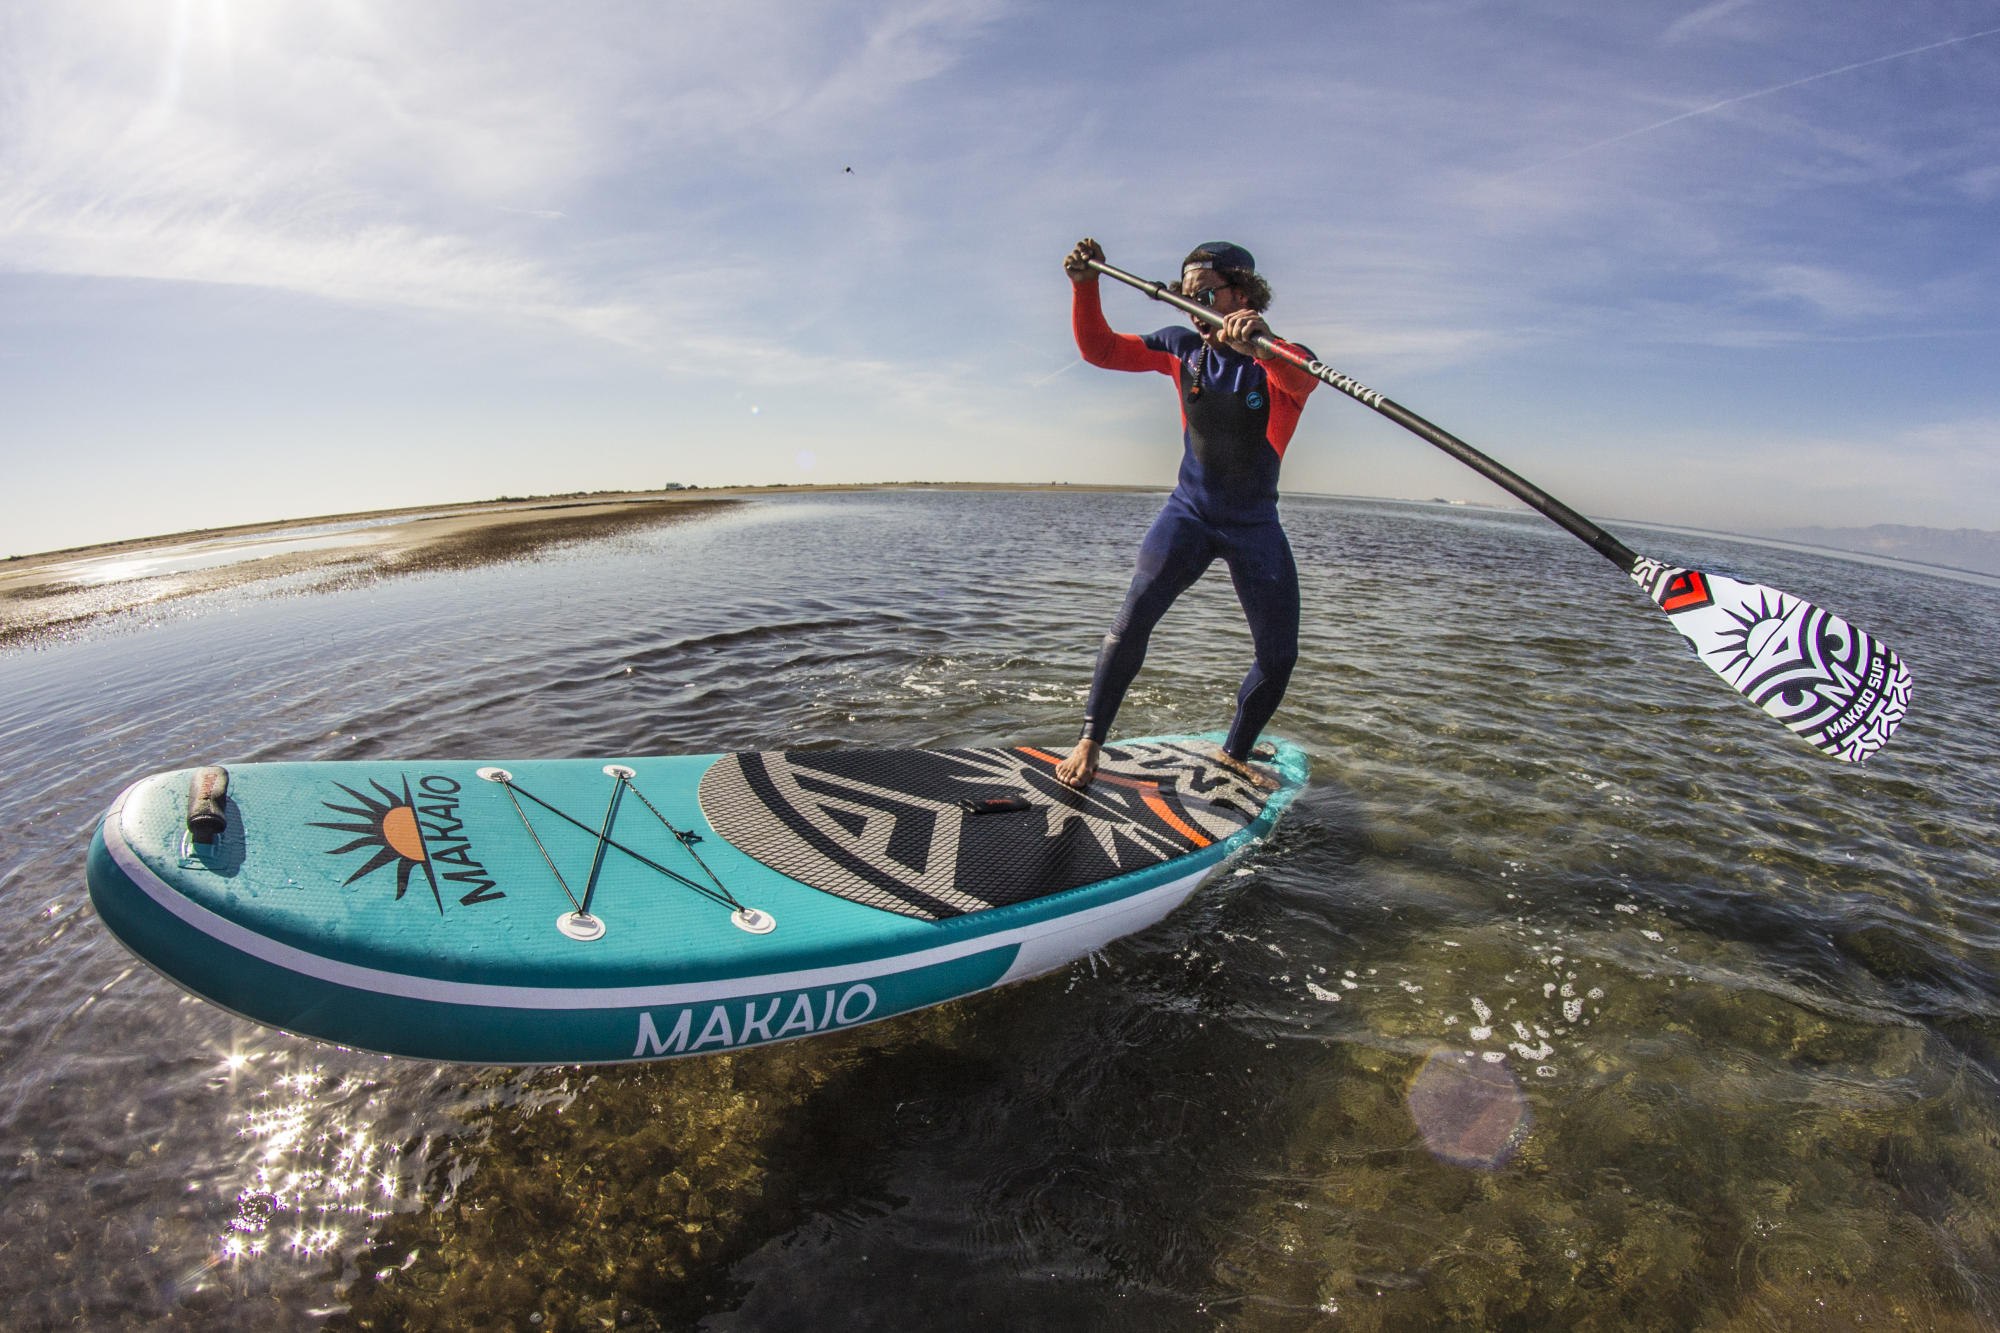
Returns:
(52, 594)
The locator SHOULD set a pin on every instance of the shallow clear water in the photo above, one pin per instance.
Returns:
(1573, 991)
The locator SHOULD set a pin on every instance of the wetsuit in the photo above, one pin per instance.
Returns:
(1237, 416)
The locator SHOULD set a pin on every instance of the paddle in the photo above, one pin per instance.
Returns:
(1844, 691)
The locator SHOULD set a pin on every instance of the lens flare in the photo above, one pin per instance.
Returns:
(1471, 1111)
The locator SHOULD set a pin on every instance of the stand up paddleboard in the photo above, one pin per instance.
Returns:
(577, 911)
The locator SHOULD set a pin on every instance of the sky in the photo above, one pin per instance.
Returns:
(1732, 265)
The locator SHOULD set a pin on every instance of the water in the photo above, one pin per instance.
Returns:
(1574, 992)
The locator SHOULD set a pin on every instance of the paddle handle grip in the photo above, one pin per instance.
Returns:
(1505, 478)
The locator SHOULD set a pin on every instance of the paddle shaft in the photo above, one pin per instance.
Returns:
(1520, 487)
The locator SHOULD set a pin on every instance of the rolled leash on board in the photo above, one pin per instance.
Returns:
(1844, 691)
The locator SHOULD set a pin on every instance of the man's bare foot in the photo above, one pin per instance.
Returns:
(1081, 766)
(1254, 774)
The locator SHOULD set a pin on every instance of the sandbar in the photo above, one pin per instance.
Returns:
(54, 595)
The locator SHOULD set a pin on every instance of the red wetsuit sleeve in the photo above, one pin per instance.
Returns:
(1287, 378)
(1289, 387)
(1101, 346)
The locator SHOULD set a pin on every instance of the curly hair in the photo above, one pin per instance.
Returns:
(1255, 290)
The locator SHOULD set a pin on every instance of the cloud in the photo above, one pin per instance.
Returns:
(1725, 103)
(1830, 294)
(1981, 184)
(1938, 474)
(204, 143)
(1724, 18)
(389, 156)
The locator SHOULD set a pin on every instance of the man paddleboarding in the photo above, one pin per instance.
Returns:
(1238, 413)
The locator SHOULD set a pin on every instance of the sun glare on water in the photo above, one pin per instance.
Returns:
(317, 1172)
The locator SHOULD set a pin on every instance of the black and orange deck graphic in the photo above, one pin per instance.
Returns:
(890, 828)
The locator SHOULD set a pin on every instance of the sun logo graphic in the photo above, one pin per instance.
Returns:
(413, 830)
(389, 828)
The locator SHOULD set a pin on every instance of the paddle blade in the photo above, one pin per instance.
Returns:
(1841, 689)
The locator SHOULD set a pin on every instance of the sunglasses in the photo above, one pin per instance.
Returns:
(1207, 296)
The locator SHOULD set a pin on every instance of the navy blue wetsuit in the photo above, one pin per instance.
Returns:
(1237, 414)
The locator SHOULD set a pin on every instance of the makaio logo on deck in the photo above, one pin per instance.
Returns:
(412, 831)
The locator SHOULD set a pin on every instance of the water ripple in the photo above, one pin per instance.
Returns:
(1748, 997)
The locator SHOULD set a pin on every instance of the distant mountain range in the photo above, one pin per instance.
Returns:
(1959, 548)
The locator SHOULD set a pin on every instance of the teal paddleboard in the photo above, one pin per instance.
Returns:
(583, 910)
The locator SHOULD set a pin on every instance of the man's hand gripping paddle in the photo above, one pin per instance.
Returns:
(1840, 688)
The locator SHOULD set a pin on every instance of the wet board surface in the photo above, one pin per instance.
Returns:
(432, 907)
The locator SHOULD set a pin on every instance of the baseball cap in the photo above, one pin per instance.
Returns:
(1220, 255)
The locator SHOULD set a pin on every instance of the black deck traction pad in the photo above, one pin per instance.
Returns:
(886, 828)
